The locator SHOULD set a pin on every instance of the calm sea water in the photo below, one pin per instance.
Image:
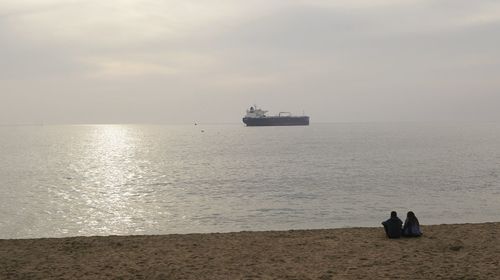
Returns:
(129, 179)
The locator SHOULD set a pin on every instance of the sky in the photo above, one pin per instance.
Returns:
(164, 61)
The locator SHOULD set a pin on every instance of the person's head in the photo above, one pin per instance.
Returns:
(394, 214)
(411, 217)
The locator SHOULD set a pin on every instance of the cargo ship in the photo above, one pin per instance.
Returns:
(257, 117)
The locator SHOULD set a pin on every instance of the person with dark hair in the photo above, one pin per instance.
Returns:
(393, 226)
(411, 227)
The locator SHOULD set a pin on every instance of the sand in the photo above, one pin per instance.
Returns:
(465, 251)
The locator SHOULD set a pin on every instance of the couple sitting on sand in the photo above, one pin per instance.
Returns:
(393, 225)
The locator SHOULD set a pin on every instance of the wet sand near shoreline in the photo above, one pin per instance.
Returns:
(458, 251)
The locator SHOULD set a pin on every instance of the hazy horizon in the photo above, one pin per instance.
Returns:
(170, 62)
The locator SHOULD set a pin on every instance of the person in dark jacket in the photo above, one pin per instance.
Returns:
(393, 226)
(411, 227)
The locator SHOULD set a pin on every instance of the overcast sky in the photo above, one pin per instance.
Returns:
(163, 61)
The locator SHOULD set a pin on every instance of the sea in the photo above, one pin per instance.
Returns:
(83, 180)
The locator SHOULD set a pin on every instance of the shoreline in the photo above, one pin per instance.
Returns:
(447, 251)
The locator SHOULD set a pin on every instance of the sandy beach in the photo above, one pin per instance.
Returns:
(459, 251)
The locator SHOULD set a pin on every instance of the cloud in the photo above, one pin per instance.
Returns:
(341, 55)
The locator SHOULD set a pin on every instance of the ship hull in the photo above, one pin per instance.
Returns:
(276, 121)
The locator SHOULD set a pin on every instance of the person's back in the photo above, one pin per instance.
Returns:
(393, 226)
